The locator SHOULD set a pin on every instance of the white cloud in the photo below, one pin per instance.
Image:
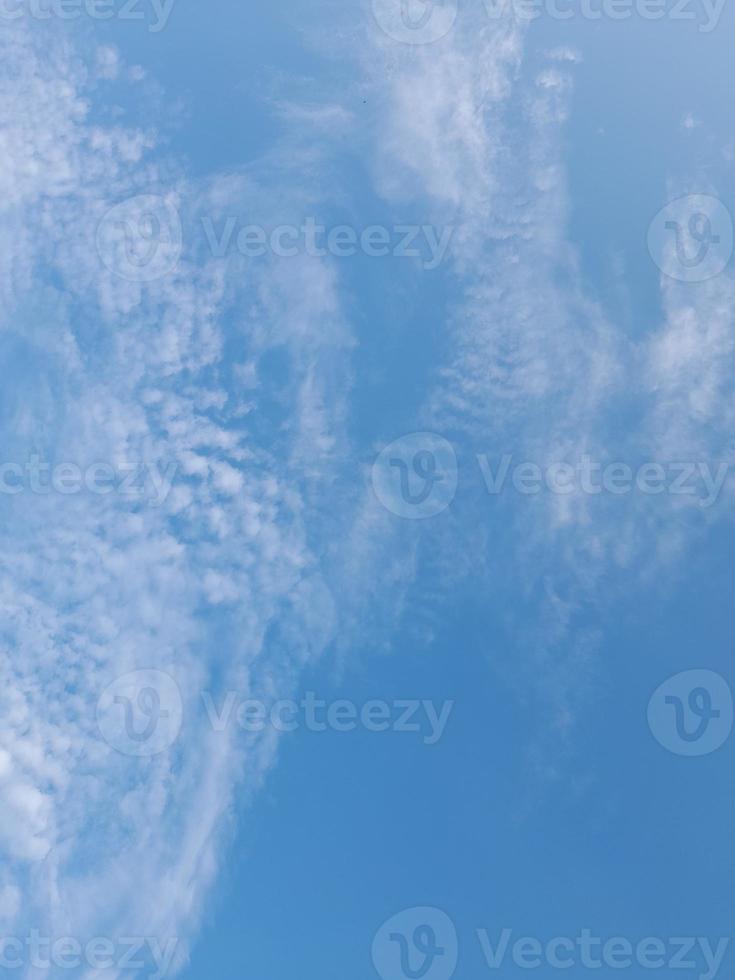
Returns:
(535, 368)
(101, 369)
(107, 369)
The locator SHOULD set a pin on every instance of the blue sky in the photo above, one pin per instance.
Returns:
(366, 489)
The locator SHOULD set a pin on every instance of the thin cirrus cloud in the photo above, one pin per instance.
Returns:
(532, 364)
(205, 585)
(233, 574)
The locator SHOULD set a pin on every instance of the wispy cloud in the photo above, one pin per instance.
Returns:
(222, 578)
(533, 364)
